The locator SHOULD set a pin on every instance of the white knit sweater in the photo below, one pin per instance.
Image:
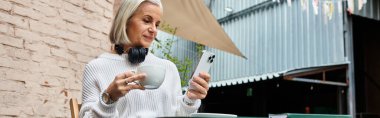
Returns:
(164, 101)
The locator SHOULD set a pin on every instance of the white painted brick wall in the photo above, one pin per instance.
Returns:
(44, 45)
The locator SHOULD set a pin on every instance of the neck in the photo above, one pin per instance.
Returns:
(125, 47)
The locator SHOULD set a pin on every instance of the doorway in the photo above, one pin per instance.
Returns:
(366, 41)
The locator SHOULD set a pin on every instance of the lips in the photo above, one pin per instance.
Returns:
(149, 38)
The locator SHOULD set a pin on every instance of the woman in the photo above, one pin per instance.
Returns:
(108, 85)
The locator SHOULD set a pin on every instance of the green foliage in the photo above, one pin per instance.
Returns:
(184, 66)
(199, 47)
(167, 28)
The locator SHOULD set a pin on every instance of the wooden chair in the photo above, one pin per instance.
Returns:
(74, 108)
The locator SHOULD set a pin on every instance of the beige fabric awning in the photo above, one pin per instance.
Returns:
(195, 22)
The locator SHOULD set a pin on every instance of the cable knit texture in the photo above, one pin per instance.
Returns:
(164, 101)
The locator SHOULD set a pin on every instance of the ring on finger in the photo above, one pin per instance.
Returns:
(133, 71)
(132, 83)
(126, 82)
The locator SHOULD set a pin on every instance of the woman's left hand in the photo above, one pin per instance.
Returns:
(199, 86)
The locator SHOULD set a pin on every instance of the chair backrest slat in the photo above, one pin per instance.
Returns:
(74, 108)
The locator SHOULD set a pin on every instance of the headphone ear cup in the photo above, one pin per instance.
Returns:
(146, 51)
(137, 55)
(119, 49)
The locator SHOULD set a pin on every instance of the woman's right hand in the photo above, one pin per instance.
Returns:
(123, 83)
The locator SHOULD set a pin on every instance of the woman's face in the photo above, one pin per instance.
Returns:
(142, 26)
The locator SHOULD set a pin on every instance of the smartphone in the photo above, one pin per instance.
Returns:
(204, 64)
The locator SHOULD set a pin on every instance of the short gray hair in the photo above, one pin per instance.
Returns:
(118, 34)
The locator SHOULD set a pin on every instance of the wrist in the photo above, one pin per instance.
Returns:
(188, 101)
(108, 98)
(187, 96)
(111, 95)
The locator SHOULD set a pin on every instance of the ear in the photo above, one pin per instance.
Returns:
(116, 6)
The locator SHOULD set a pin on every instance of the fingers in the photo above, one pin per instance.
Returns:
(203, 80)
(128, 77)
(120, 86)
(136, 77)
(205, 76)
(125, 85)
(124, 75)
(198, 82)
(126, 81)
(193, 94)
(199, 86)
(126, 89)
(132, 82)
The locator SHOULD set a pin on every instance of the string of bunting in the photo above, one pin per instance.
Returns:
(327, 6)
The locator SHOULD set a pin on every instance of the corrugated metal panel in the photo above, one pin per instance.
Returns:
(236, 81)
(370, 10)
(277, 38)
(218, 6)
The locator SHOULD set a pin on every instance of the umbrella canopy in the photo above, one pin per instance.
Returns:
(193, 21)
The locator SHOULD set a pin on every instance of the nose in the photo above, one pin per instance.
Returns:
(153, 29)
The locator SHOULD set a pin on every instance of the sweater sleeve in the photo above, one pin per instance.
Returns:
(92, 104)
(182, 108)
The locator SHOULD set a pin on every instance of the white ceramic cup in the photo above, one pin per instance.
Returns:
(155, 76)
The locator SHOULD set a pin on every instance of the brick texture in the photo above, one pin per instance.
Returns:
(44, 46)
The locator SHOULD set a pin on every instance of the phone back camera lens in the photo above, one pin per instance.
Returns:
(212, 60)
(213, 56)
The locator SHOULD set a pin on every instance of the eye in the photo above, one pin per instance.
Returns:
(146, 21)
(157, 24)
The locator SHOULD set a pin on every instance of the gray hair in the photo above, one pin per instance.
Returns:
(118, 34)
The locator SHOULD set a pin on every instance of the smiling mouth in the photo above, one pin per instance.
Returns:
(150, 38)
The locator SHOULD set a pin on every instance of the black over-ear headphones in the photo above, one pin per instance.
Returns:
(136, 55)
